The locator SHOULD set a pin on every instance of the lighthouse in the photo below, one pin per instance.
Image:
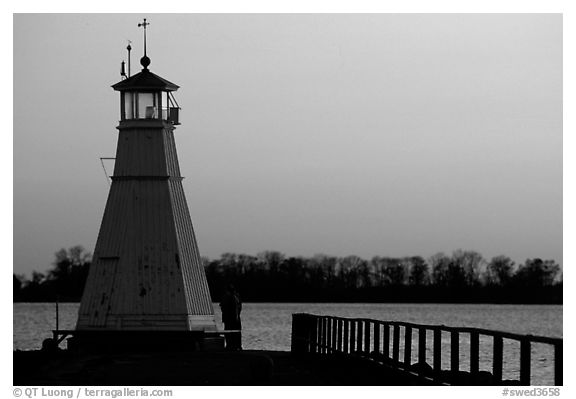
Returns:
(146, 273)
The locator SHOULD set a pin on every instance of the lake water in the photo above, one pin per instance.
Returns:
(268, 326)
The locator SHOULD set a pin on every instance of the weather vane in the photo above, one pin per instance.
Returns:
(144, 24)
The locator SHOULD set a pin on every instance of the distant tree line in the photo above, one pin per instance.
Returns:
(462, 277)
(64, 282)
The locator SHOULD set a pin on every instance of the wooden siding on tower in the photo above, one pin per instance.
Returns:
(142, 152)
(194, 277)
(147, 271)
(172, 166)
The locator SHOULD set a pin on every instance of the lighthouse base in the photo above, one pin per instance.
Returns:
(111, 341)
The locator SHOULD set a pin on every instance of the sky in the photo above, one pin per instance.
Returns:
(365, 134)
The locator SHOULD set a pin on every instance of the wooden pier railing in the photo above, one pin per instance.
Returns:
(381, 341)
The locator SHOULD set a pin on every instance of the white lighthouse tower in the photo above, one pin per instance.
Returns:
(146, 273)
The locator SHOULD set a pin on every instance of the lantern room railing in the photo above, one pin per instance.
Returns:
(171, 114)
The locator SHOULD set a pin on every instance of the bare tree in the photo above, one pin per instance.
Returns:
(537, 273)
(468, 264)
(419, 273)
(500, 270)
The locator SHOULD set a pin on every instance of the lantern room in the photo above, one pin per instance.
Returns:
(147, 96)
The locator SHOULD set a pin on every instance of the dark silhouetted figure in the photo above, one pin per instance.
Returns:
(231, 306)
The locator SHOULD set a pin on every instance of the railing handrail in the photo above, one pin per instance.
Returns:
(322, 334)
(481, 331)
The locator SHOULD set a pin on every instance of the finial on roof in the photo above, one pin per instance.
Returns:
(144, 61)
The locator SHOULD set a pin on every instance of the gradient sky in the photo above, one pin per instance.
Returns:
(376, 134)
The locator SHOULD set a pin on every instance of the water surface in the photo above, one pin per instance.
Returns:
(268, 326)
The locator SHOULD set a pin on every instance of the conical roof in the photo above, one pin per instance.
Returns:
(145, 80)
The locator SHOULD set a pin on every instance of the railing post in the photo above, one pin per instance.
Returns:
(322, 333)
(525, 349)
(318, 334)
(352, 336)
(325, 335)
(454, 353)
(386, 343)
(396, 343)
(329, 335)
(437, 351)
(319, 340)
(377, 338)
(339, 336)
(359, 337)
(497, 359)
(407, 346)
(294, 347)
(313, 335)
(367, 336)
(346, 336)
(302, 333)
(558, 369)
(334, 334)
(421, 348)
(325, 338)
(474, 352)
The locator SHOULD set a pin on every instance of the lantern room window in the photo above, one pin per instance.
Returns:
(149, 105)
(128, 109)
(141, 105)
